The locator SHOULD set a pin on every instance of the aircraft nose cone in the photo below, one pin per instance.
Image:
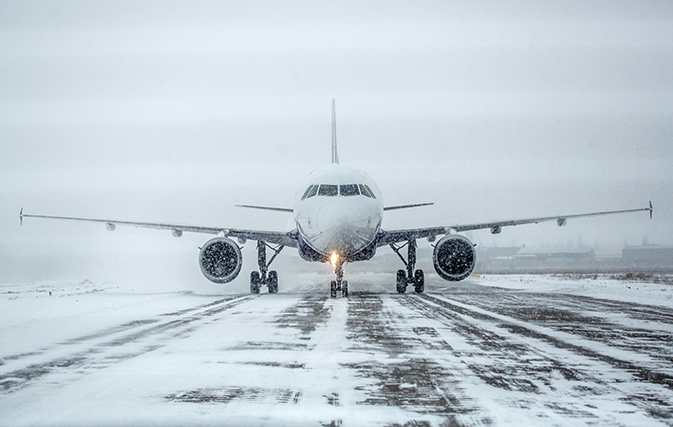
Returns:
(344, 229)
(333, 215)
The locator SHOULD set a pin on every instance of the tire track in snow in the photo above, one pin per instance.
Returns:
(629, 358)
(109, 332)
(287, 360)
(644, 330)
(404, 369)
(528, 360)
(102, 348)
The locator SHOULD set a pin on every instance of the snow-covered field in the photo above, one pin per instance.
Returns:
(596, 286)
(493, 350)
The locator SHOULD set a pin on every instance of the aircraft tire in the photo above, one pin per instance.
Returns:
(255, 282)
(419, 281)
(344, 289)
(333, 289)
(273, 282)
(401, 281)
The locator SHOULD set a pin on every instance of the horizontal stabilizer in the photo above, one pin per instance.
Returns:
(415, 205)
(266, 208)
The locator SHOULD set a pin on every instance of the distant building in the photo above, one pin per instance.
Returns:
(526, 259)
(649, 254)
(507, 252)
(555, 254)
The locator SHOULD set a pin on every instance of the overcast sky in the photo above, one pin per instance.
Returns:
(176, 111)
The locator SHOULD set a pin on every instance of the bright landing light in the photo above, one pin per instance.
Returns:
(334, 258)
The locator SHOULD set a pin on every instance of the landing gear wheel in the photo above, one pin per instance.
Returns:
(401, 281)
(344, 289)
(419, 281)
(255, 282)
(333, 289)
(273, 282)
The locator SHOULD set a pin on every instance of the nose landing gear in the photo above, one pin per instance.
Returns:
(409, 277)
(339, 284)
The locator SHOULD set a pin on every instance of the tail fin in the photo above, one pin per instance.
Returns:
(335, 155)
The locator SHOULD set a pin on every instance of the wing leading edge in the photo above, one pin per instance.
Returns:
(394, 236)
(273, 237)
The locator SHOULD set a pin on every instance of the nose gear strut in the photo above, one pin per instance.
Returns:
(339, 284)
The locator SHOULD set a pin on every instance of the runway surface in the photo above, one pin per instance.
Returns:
(458, 355)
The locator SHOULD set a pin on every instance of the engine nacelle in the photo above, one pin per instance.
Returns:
(454, 257)
(220, 260)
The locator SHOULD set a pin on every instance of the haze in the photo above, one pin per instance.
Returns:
(176, 111)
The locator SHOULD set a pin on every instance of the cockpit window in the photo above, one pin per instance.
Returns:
(349, 190)
(364, 191)
(308, 190)
(371, 193)
(328, 190)
(331, 190)
(313, 191)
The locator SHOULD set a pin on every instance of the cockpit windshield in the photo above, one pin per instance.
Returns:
(328, 190)
(364, 189)
(349, 190)
(331, 190)
(310, 192)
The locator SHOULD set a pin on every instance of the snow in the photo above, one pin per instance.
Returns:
(602, 287)
(465, 354)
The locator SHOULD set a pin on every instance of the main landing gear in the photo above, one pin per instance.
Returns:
(264, 276)
(339, 284)
(409, 277)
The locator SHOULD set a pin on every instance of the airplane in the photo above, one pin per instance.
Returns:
(338, 213)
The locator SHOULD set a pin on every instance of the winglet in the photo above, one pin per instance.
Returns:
(21, 217)
(335, 155)
(651, 209)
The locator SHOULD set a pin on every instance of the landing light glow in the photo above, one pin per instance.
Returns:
(334, 258)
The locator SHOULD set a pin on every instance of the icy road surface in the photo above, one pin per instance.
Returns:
(484, 352)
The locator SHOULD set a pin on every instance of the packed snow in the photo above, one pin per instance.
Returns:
(492, 350)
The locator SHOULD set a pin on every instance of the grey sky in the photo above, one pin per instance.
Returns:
(175, 111)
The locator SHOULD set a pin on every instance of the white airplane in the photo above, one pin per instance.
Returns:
(338, 213)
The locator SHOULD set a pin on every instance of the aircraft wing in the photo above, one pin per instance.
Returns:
(274, 237)
(394, 236)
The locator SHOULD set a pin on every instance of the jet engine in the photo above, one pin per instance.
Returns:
(454, 257)
(220, 260)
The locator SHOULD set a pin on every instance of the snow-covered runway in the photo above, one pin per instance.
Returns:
(470, 354)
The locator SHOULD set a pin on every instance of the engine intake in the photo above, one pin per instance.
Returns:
(220, 260)
(454, 257)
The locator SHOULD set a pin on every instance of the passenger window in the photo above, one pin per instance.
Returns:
(313, 191)
(364, 191)
(369, 190)
(349, 190)
(328, 190)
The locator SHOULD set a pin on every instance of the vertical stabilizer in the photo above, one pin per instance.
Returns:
(335, 155)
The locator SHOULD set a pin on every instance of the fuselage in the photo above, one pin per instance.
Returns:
(338, 210)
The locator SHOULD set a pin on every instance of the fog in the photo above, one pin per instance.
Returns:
(175, 111)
